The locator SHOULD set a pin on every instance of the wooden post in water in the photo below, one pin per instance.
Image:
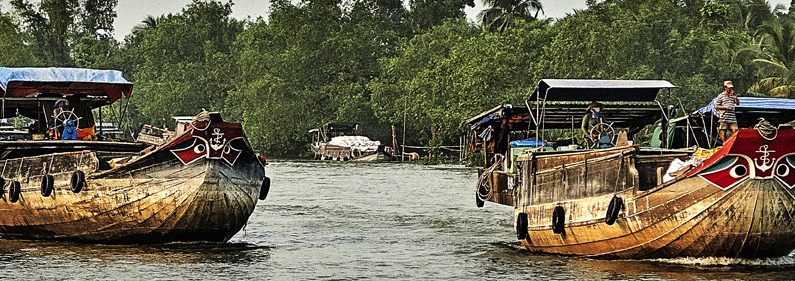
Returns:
(394, 141)
(403, 148)
(460, 149)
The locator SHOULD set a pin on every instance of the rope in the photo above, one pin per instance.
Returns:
(203, 116)
(765, 129)
(482, 178)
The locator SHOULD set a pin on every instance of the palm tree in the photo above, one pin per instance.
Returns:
(149, 22)
(775, 58)
(137, 33)
(502, 12)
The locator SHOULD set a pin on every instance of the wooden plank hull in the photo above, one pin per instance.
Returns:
(753, 220)
(156, 198)
(738, 203)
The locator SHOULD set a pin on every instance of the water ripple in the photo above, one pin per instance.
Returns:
(350, 221)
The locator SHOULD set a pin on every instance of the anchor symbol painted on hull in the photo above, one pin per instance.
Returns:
(218, 141)
(767, 162)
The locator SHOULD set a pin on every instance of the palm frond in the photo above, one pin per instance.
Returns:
(782, 91)
(771, 65)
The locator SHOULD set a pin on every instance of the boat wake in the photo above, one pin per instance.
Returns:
(786, 261)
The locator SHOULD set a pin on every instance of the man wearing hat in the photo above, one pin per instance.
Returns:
(724, 107)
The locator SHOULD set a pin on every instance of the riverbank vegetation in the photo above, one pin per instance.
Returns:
(380, 62)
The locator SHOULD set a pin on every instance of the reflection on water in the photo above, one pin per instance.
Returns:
(176, 253)
(343, 221)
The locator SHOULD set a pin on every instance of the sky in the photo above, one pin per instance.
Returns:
(132, 12)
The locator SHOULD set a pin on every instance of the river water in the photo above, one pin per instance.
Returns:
(346, 221)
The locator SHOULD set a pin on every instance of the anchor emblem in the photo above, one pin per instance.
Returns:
(767, 162)
(217, 142)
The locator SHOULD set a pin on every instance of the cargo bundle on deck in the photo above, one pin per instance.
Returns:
(567, 162)
(338, 141)
(64, 179)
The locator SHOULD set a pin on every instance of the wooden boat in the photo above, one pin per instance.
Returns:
(201, 186)
(626, 201)
(344, 142)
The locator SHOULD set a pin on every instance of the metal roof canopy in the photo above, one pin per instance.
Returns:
(598, 90)
(622, 114)
(561, 114)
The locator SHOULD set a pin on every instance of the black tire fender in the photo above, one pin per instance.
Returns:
(479, 203)
(2, 187)
(613, 209)
(521, 227)
(558, 219)
(265, 188)
(47, 183)
(78, 181)
(14, 191)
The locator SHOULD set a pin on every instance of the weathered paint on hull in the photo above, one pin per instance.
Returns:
(753, 220)
(204, 201)
(201, 186)
(740, 202)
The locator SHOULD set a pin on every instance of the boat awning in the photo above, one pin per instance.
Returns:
(494, 116)
(565, 114)
(108, 85)
(753, 103)
(775, 110)
(622, 114)
(598, 90)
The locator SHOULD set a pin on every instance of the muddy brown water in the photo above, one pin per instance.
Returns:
(349, 221)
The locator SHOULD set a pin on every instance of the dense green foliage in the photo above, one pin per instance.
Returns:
(380, 62)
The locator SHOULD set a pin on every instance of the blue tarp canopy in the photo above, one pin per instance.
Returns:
(775, 110)
(32, 82)
(752, 103)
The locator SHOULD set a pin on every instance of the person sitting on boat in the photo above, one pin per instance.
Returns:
(82, 120)
(724, 107)
(592, 118)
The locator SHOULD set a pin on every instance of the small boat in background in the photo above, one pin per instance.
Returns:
(344, 142)
(594, 192)
(66, 181)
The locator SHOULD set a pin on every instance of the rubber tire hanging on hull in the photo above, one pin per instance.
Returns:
(521, 226)
(78, 181)
(479, 203)
(558, 219)
(47, 182)
(2, 187)
(14, 190)
(265, 188)
(616, 204)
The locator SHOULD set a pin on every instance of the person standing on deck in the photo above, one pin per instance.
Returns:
(724, 106)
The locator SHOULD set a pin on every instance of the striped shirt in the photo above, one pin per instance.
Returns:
(726, 116)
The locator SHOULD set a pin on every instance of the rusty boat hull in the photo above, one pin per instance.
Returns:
(737, 203)
(198, 187)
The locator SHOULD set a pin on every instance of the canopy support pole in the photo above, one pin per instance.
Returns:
(689, 127)
(100, 124)
(123, 115)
